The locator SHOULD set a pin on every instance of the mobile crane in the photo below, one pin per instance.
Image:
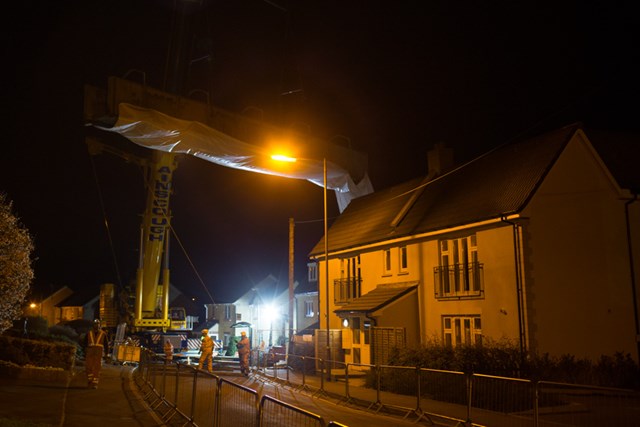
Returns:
(151, 308)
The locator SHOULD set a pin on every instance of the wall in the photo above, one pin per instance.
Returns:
(579, 289)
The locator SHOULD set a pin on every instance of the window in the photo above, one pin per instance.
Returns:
(348, 286)
(355, 327)
(367, 331)
(404, 262)
(312, 272)
(459, 273)
(227, 312)
(386, 259)
(461, 330)
(308, 309)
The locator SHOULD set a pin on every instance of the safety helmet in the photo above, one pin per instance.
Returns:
(243, 333)
(205, 331)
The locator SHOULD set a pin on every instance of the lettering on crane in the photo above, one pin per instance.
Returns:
(159, 212)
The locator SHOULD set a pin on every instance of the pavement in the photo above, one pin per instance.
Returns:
(58, 398)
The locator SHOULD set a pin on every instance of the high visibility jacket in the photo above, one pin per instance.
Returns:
(207, 345)
(96, 339)
(168, 348)
(244, 347)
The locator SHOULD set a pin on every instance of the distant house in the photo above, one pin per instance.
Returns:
(47, 307)
(79, 306)
(306, 311)
(537, 242)
(222, 315)
(265, 308)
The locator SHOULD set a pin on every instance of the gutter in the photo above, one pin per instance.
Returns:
(409, 239)
(520, 297)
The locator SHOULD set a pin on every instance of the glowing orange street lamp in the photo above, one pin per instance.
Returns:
(285, 158)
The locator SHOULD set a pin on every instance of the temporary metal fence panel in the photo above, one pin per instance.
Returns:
(444, 392)
(170, 382)
(165, 378)
(580, 405)
(185, 390)
(402, 380)
(238, 405)
(275, 413)
(367, 374)
(204, 400)
(490, 395)
(302, 373)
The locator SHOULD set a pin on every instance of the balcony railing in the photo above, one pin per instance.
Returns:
(346, 289)
(459, 280)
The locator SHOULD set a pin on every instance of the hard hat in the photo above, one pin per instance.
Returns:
(205, 331)
(243, 333)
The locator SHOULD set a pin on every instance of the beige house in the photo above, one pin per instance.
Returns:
(537, 242)
(47, 307)
(262, 311)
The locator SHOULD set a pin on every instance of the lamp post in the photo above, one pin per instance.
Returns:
(326, 259)
(285, 158)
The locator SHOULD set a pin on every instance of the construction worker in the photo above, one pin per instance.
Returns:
(168, 352)
(244, 348)
(94, 350)
(206, 351)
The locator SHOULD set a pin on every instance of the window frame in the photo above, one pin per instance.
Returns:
(462, 329)
(403, 259)
(386, 262)
(308, 309)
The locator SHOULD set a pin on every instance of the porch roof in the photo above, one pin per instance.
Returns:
(381, 296)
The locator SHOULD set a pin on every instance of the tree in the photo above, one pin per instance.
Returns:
(16, 272)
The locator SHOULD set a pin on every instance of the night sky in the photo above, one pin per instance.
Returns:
(393, 79)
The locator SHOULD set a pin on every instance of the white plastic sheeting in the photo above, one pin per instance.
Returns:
(158, 131)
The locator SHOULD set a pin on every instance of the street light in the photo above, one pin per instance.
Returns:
(285, 158)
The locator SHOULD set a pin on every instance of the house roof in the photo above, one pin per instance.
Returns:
(379, 297)
(79, 299)
(306, 287)
(499, 183)
(263, 292)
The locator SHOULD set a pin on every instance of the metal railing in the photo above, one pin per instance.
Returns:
(459, 398)
(184, 395)
(459, 280)
(425, 395)
(346, 289)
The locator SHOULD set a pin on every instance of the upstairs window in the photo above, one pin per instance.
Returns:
(459, 273)
(308, 309)
(312, 272)
(349, 285)
(386, 261)
(403, 258)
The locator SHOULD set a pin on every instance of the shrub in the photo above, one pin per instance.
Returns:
(37, 353)
(503, 358)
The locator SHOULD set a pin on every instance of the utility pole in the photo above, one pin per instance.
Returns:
(291, 299)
